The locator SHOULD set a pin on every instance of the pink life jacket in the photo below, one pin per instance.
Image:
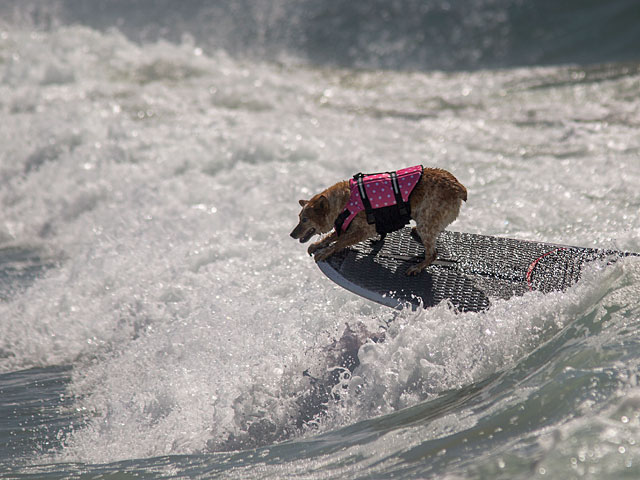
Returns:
(383, 196)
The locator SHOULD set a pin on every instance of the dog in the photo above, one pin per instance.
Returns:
(433, 203)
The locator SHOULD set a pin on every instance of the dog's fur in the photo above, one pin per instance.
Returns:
(435, 203)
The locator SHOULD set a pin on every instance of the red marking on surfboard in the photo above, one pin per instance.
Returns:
(534, 264)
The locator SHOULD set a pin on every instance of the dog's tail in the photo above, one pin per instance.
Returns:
(462, 194)
(459, 191)
(449, 182)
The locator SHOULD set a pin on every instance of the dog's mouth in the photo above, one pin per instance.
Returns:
(308, 235)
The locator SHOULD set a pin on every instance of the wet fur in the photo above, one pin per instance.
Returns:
(435, 203)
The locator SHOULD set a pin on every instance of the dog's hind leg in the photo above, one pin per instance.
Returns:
(429, 224)
(429, 241)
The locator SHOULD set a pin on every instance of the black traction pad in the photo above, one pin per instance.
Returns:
(469, 270)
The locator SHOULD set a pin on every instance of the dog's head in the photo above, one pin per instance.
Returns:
(314, 218)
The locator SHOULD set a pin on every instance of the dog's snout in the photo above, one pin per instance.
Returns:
(302, 233)
(295, 233)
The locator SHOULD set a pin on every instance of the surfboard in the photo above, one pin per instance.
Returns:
(470, 269)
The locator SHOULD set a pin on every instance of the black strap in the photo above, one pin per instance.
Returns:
(402, 206)
(340, 220)
(365, 200)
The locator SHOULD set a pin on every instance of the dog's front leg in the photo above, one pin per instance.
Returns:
(343, 241)
(323, 242)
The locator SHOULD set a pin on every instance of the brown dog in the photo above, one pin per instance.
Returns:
(435, 202)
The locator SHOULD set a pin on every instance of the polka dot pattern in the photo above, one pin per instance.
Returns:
(379, 190)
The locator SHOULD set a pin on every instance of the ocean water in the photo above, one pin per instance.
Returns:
(155, 317)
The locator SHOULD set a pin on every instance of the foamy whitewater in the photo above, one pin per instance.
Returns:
(156, 318)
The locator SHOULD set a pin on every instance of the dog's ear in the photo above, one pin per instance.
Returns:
(321, 205)
(303, 202)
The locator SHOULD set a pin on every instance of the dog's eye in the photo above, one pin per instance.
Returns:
(304, 220)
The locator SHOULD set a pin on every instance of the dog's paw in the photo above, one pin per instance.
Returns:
(313, 248)
(414, 270)
(323, 254)
(418, 267)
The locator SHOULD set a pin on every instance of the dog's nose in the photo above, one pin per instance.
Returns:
(294, 233)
